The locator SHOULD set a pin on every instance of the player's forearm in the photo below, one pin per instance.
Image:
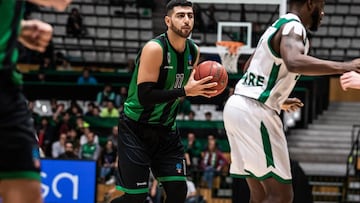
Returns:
(308, 65)
(148, 95)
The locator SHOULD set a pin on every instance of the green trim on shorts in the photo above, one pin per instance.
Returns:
(133, 191)
(172, 178)
(266, 176)
(267, 145)
(21, 175)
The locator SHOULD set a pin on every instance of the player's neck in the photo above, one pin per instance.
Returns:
(177, 42)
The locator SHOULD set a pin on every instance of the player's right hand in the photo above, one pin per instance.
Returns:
(35, 34)
(199, 87)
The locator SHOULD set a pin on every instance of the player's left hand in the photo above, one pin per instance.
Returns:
(292, 104)
(35, 34)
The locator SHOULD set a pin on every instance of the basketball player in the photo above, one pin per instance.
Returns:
(350, 80)
(258, 145)
(147, 130)
(19, 156)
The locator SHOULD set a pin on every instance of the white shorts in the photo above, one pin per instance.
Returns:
(257, 140)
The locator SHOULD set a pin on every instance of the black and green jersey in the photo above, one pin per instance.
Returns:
(174, 73)
(11, 13)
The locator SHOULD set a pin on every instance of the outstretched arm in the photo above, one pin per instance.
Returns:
(59, 5)
(292, 52)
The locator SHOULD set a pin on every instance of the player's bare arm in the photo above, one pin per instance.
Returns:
(149, 70)
(35, 34)
(292, 52)
(150, 63)
(59, 5)
(292, 104)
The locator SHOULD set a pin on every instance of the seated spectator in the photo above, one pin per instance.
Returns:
(75, 110)
(84, 137)
(45, 132)
(90, 150)
(193, 150)
(107, 161)
(109, 111)
(69, 151)
(86, 78)
(208, 116)
(212, 161)
(191, 116)
(58, 147)
(121, 97)
(46, 64)
(62, 63)
(114, 135)
(184, 107)
(74, 25)
(105, 95)
(90, 107)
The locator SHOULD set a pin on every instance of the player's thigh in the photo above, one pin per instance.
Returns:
(20, 191)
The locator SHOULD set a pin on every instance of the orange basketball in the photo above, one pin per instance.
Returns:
(216, 70)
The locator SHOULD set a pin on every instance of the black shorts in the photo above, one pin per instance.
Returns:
(19, 157)
(141, 147)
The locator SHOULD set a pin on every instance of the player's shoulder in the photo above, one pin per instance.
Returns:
(153, 46)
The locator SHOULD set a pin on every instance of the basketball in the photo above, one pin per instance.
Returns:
(215, 69)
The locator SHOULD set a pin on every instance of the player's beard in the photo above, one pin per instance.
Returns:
(315, 20)
(180, 32)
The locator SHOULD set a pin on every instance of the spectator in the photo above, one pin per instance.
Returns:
(212, 161)
(64, 125)
(109, 111)
(107, 161)
(58, 147)
(121, 97)
(74, 25)
(62, 63)
(89, 109)
(114, 135)
(90, 150)
(193, 150)
(184, 107)
(35, 116)
(69, 151)
(46, 135)
(105, 95)
(208, 116)
(46, 64)
(212, 23)
(86, 131)
(86, 78)
(75, 109)
(191, 115)
(199, 21)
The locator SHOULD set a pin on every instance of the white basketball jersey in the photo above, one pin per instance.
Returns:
(267, 78)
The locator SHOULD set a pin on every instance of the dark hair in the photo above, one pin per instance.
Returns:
(174, 3)
(297, 1)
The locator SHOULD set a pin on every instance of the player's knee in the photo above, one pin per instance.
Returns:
(175, 191)
(130, 198)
